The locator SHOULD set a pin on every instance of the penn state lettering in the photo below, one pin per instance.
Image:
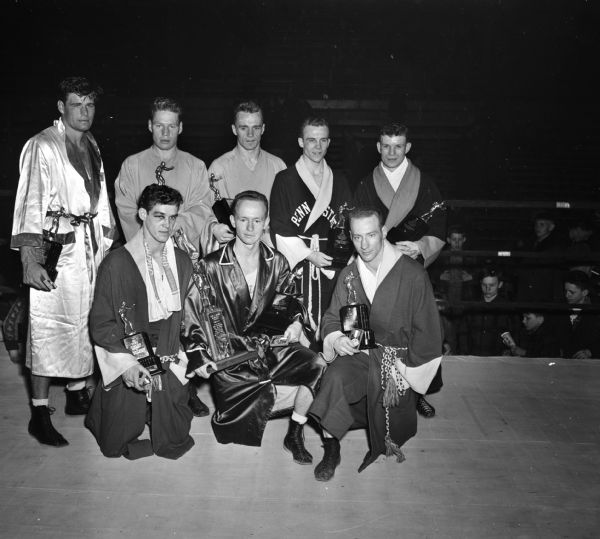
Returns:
(303, 210)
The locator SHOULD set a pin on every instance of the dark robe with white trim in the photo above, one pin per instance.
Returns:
(403, 313)
(117, 414)
(366, 195)
(290, 207)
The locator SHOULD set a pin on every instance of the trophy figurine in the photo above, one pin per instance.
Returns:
(138, 344)
(221, 207)
(414, 228)
(214, 325)
(354, 318)
(339, 243)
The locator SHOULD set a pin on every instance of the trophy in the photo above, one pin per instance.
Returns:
(414, 228)
(221, 207)
(138, 344)
(51, 249)
(277, 316)
(212, 320)
(354, 318)
(339, 243)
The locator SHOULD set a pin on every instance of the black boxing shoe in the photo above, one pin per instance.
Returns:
(78, 402)
(198, 408)
(41, 428)
(424, 408)
(325, 470)
(294, 443)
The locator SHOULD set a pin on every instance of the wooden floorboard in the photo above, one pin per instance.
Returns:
(512, 452)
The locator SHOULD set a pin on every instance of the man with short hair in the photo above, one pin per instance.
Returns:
(579, 331)
(242, 279)
(541, 281)
(247, 166)
(141, 288)
(62, 199)
(401, 192)
(377, 388)
(305, 203)
(164, 163)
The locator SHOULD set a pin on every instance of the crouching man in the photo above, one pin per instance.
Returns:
(141, 288)
(242, 279)
(377, 388)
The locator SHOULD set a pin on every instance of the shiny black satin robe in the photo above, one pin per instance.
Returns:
(245, 395)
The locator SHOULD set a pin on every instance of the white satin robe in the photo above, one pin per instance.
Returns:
(58, 343)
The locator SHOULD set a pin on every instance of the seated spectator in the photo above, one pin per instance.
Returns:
(582, 242)
(579, 332)
(453, 276)
(479, 332)
(536, 338)
(541, 282)
(453, 282)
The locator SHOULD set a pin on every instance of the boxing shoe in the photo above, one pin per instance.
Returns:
(424, 408)
(294, 443)
(78, 402)
(325, 470)
(41, 428)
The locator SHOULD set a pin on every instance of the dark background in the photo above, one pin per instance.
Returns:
(501, 96)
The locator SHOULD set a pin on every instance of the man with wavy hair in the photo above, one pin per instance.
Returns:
(62, 206)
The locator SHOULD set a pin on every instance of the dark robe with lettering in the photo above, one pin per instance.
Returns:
(245, 394)
(403, 313)
(291, 205)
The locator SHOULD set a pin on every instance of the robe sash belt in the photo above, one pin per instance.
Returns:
(91, 245)
(315, 275)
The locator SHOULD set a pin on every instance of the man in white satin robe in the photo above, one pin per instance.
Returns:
(62, 198)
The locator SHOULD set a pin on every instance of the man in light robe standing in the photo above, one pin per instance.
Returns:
(401, 192)
(164, 163)
(141, 288)
(377, 388)
(305, 203)
(247, 166)
(62, 199)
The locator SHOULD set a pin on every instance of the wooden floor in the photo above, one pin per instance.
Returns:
(514, 451)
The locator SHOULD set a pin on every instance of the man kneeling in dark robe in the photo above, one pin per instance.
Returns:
(141, 288)
(377, 388)
(242, 280)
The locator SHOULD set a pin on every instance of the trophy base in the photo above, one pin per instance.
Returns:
(365, 338)
(152, 364)
(411, 230)
(233, 361)
(139, 345)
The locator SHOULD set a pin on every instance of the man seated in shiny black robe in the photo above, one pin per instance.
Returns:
(244, 277)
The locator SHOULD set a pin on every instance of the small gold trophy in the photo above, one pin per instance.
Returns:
(138, 344)
(354, 318)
